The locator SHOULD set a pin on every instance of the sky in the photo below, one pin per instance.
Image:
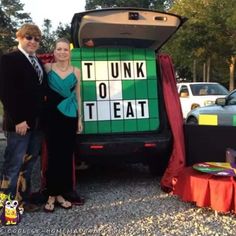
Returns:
(54, 10)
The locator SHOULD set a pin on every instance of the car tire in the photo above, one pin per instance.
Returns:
(192, 121)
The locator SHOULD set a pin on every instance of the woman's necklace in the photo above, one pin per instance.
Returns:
(63, 69)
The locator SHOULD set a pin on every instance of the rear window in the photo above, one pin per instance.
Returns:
(208, 89)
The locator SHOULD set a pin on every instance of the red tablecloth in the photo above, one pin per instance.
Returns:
(206, 190)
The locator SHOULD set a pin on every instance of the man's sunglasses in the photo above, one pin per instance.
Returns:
(29, 38)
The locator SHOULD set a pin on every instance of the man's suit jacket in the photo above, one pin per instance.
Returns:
(21, 93)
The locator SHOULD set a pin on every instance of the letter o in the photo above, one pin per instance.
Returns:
(102, 90)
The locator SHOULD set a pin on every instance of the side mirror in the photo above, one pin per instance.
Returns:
(220, 101)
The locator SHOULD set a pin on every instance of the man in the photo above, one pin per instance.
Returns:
(23, 86)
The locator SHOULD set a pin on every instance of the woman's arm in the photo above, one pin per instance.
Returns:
(78, 95)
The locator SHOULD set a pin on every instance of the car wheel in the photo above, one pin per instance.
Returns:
(192, 121)
(194, 106)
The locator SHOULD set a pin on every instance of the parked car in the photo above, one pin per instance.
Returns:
(222, 113)
(123, 104)
(198, 94)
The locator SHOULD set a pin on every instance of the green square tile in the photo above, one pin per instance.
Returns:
(76, 54)
(152, 88)
(101, 54)
(81, 89)
(143, 125)
(104, 127)
(153, 108)
(128, 89)
(150, 55)
(151, 70)
(141, 89)
(76, 64)
(126, 54)
(91, 127)
(87, 54)
(234, 120)
(139, 54)
(130, 125)
(117, 126)
(89, 91)
(113, 54)
(154, 124)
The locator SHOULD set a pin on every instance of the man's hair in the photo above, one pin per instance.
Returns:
(28, 29)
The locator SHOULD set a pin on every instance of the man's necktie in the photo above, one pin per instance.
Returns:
(37, 68)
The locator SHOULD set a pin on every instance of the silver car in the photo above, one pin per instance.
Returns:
(222, 113)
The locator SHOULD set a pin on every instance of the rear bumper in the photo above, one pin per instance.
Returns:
(123, 146)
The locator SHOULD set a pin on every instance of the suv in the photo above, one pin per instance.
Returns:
(123, 105)
(198, 94)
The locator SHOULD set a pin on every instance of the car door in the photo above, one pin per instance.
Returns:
(184, 95)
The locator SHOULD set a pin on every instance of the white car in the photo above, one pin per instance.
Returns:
(199, 94)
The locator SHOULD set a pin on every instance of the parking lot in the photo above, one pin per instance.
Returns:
(122, 200)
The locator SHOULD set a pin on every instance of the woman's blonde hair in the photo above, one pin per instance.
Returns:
(61, 40)
(28, 29)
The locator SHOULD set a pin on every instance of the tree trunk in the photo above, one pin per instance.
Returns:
(231, 73)
(194, 70)
(208, 69)
(204, 72)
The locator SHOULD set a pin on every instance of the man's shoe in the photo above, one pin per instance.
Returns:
(30, 207)
(74, 198)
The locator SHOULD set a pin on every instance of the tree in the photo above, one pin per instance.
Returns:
(154, 4)
(11, 17)
(63, 31)
(48, 37)
(206, 38)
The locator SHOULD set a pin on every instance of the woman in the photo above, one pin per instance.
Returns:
(63, 120)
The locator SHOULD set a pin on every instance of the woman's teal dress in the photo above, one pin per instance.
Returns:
(60, 132)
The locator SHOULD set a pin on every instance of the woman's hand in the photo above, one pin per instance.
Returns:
(80, 126)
